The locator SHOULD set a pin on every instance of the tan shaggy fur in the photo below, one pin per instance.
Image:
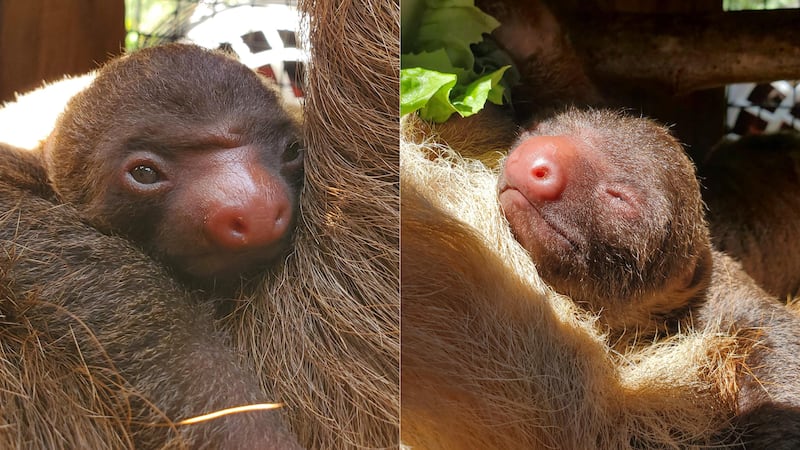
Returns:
(493, 359)
(324, 333)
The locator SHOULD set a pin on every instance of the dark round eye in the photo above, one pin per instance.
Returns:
(145, 174)
(292, 152)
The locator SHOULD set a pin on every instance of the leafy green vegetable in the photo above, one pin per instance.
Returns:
(427, 90)
(479, 91)
(438, 76)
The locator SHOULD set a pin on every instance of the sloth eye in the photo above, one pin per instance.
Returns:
(617, 195)
(625, 202)
(145, 174)
(292, 152)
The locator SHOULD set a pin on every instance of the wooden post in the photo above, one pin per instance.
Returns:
(43, 40)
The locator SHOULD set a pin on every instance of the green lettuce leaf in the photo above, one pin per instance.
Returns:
(425, 89)
(438, 76)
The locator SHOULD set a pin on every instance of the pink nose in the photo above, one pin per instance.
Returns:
(251, 225)
(541, 167)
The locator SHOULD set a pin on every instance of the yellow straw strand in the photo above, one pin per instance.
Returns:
(227, 411)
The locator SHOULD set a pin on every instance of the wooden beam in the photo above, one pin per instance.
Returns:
(44, 40)
(688, 52)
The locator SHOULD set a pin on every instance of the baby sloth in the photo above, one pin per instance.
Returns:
(609, 208)
(187, 153)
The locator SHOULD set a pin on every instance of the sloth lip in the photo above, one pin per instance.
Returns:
(502, 185)
(222, 268)
(268, 251)
(556, 228)
(218, 263)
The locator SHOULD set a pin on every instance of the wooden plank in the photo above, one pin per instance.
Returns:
(45, 39)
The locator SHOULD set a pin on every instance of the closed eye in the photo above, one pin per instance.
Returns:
(617, 194)
(624, 201)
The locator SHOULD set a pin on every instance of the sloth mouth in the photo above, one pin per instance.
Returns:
(515, 204)
(214, 263)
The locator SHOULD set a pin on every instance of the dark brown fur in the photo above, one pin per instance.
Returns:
(752, 189)
(648, 268)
